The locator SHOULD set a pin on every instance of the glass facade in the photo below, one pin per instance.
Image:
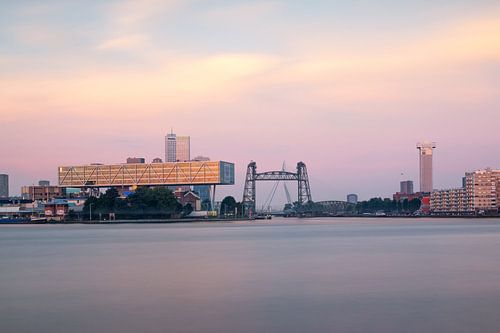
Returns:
(227, 173)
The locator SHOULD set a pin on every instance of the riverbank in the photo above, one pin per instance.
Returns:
(194, 220)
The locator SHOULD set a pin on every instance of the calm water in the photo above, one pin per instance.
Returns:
(321, 275)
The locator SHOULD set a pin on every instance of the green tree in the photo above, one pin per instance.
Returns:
(157, 202)
(228, 205)
(414, 205)
(187, 209)
(206, 205)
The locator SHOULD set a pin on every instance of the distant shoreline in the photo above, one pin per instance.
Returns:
(168, 221)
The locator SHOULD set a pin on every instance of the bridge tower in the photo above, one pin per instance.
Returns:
(249, 192)
(304, 191)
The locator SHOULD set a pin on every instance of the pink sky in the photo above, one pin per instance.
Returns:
(349, 101)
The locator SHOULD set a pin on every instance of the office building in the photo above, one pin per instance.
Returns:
(352, 198)
(449, 201)
(425, 152)
(183, 149)
(4, 186)
(483, 190)
(177, 148)
(406, 187)
(42, 193)
(146, 174)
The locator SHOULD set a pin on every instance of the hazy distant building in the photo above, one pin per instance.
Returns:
(44, 183)
(136, 160)
(177, 148)
(425, 152)
(483, 190)
(200, 158)
(352, 198)
(4, 186)
(406, 187)
(157, 160)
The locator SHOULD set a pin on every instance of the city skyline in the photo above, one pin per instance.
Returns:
(348, 92)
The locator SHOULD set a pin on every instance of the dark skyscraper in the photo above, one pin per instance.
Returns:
(4, 186)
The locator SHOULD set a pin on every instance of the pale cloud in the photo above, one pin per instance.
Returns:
(133, 41)
(132, 14)
(434, 66)
(243, 11)
(185, 82)
(38, 35)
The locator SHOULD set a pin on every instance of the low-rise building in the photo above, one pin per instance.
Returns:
(42, 193)
(188, 197)
(56, 211)
(136, 160)
(450, 201)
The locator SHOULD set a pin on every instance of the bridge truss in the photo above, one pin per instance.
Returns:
(249, 192)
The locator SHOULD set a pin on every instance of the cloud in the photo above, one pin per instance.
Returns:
(38, 35)
(183, 82)
(132, 14)
(133, 41)
(243, 11)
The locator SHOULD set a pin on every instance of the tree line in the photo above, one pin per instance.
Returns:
(144, 203)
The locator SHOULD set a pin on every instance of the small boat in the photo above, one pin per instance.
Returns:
(38, 219)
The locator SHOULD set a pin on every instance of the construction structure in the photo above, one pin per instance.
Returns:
(249, 192)
(426, 149)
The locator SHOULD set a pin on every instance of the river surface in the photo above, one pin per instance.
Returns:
(284, 275)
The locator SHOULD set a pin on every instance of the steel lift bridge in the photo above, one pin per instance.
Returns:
(249, 192)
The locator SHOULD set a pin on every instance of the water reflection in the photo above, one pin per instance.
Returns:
(328, 275)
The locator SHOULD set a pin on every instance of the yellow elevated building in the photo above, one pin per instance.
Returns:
(144, 174)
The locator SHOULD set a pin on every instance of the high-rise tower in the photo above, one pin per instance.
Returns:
(425, 152)
(4, 186)
(177, 148)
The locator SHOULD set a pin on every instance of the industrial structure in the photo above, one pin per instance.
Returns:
(249, 192)
(425, 152)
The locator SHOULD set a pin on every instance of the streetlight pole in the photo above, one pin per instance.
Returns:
(90, 211)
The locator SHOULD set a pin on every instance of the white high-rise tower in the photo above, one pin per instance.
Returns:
(425, 152)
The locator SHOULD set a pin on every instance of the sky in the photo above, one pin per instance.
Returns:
(347, 87)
